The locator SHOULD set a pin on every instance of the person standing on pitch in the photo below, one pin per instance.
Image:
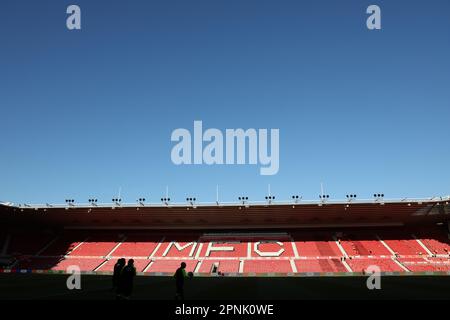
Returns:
(120, 264)
(126, 280)
(179, 276)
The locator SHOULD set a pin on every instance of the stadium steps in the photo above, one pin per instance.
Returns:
(294, 249)
(293, 266)
(386, 246)
(346, 265)
(199, 250)
(157, 247)
(148, 266)
(344, 254)
(241, 266)
(77, 246)
(101, 265)
(341, 248)
(115, 248)
(400, 264)
(423, 245)
(199, 264)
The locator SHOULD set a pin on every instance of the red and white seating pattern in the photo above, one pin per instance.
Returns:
(363, 245)
(295, 252)
(426, 264)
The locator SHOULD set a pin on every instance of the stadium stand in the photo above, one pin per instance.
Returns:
(402, 244)
(298, 252)
(436, 241)
(397, 236)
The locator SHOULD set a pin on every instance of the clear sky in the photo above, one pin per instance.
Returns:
(86, 112)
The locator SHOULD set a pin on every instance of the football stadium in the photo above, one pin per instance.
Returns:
(291, 239)
(232, 152)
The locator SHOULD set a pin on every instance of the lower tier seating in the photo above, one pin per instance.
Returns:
(158, 251)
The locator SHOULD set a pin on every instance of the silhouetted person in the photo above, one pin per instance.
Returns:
(179, 276)
(126, 280)
(120, 264)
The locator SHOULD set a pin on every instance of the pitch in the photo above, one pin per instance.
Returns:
(96, 287)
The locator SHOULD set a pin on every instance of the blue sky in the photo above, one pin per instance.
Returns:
(86, 112)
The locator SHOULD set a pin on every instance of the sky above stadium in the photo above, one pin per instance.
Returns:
(86, 112)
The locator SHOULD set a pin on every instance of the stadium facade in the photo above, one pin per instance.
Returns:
(291, 238)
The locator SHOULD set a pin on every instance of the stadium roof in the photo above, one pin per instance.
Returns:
(243, 215)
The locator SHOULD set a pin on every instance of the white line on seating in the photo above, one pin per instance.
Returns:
(399, 264)
(293, 266)
(101, 265)
(197, 267)
(385, 245)
(77, 246)
(423, 245)
(294, 249)
(346, 265)
(115, 248)
(241, 266)
(199, 250)
(148, 266)
(156, 248)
